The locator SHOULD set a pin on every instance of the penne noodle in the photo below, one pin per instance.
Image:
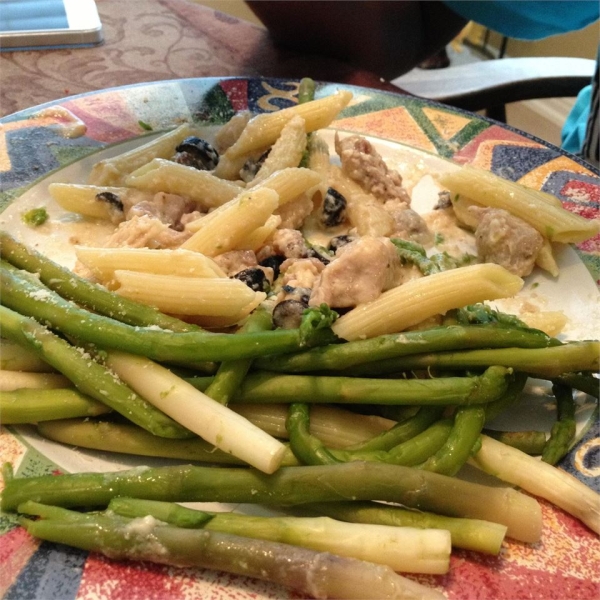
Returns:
(365, 212)
(229, 133)
(290, 183)
(229, 167)
(545, 259)
(161, 175)
(83, 199)
(103, 262)
(534, 207)
(263, 130)
(112, 171)
(173, 294)
(256, 239)
(226, 227)
(286, 152)
(418, 299)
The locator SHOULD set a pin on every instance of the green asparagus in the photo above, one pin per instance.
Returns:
(311, 451)
(563, 431)
(88, 376)
(21, 294)
(230, 374)
(470, 534)
(547, 362)
(392, 346)
(30, 406)
(468, 423)
(267, 387)
(406, 549)
(288, 486)
(309, 572)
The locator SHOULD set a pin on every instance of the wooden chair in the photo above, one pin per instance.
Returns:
(491, 84)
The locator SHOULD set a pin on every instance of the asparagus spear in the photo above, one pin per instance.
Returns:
(584, 382)
(31, 406)
(530, 442)
(541, 479)
(563, 431)
(23, 295)
(392, 346)
(212, 421)
(468, 423)
(402, 431)
(17, 380)
(406, 549)
(289, 486)
(335, 426)
(311, 451)
(83, 292)
(230, 374)
(306, 90)
(14, 357)
(266, 387)
(311, 573)
(470, 534)
(547, 363)
(108, 436)
(88, 376)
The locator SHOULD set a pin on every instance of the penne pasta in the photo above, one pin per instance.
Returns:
(86, 200)
(290, 183)
(256, 239)
(226, 227)
(286, 152)
(534, 207)
(545, 259)
(112, 171)
(103, 262)
(365, 212)
(418, 299)
(161, 175)
(216, 297)
(263, 130)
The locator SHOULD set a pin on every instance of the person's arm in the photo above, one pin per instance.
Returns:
(387, 38)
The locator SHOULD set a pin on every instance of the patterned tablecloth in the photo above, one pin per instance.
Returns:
(155, 40)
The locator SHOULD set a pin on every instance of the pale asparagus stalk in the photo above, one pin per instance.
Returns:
(17, 380)
(540, 479)
(406, 549)
(212, 421)
(311, 573)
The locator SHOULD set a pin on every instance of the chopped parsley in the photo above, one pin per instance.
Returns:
(35, 217)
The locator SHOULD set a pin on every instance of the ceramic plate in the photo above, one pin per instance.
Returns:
(60, 141)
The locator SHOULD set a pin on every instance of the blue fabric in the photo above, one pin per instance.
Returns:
(534, 20)
(573, 132)
(528, 19)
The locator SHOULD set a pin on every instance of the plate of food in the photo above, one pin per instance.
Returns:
(267, 338)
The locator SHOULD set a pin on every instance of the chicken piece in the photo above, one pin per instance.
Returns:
(168, 208)
(294, 213)
(408, 224)
(360, 272)
(363, 164)
(300, 272)
(506, 240)
(235, 261)
(285, 242)
(299, 275)
(146, 232)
